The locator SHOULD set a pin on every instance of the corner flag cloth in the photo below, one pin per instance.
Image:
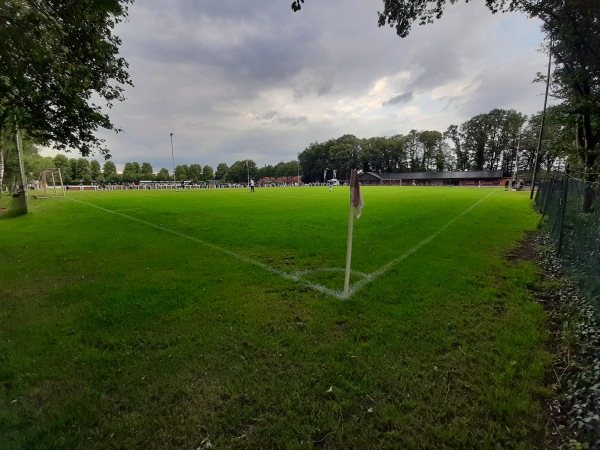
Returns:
(356, 198)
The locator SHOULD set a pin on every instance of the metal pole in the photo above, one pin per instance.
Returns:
(173, 157)
(537, 151)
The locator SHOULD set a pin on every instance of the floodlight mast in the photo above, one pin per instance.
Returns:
(539, 145)
(173, 157)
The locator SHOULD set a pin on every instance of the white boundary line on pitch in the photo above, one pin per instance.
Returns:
(386, 267)
(289, 276)
(297, 276)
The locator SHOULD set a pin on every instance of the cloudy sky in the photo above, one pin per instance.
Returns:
(235, 80)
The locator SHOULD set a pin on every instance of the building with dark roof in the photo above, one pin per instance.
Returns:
(459, 178)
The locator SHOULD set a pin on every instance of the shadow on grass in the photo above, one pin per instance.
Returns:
(13, 207)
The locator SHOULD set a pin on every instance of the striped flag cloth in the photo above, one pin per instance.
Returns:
(356, 198)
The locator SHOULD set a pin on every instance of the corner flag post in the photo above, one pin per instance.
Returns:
(356, 201)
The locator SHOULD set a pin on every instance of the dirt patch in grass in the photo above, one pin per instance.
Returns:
(526, 250)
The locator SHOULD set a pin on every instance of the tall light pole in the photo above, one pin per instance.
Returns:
(248, 169)
(537, 151)
(173, 157)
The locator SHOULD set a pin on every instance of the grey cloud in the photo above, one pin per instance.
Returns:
(399, 99)
(294, 120)
(199, 67)
(274, 116)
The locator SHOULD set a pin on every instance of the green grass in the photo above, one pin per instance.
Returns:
(160, 319)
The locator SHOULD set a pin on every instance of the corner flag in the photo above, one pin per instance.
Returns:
(356, 201)
(356, 198)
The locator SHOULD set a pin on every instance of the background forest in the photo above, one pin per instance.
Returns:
(498, 140)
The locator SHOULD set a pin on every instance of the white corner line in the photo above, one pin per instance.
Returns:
(297, 276)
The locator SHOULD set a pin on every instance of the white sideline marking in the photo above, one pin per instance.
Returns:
(383, 269)
(289, 276)
(297, 276)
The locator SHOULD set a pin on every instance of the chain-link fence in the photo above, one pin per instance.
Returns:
(572, 210)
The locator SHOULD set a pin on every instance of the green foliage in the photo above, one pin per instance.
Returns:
(55, 57)
(221, 171)
(195, 172)
(181, 172)
(163, 175)
(207, 173)
(146, 171)
(95, 170)
(109, 172)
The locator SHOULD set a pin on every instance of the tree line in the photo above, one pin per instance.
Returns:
(82, 170)
(498, 140)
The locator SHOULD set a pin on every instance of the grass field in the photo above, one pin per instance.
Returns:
(161, 319)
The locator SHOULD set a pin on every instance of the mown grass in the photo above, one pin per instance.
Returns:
(146, 327)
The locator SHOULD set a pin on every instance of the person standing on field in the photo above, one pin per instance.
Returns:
(251, 184)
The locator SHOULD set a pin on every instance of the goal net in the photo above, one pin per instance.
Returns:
(50, 181)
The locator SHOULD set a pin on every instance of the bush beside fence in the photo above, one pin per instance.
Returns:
(571, 212)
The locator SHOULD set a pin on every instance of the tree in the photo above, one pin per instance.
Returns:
(9, 157)
(207, 173)
(147, 172)
(195, 172)
(266, 171)
(314, 160)
(131, 172)
(80, 169)
(557, 139)
(163, 175)
(574, 27)
(109, 171)
(62, 162)
(181, 172)
(221, 172)
(461, 161)
(345, 154)
(286, 169)
(413, 151)
(432, 156)
(95, 171)
(475, 134)
(241, 170)
(54, 59)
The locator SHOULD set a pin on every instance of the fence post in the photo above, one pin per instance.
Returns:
(562, 212)
(547, 196)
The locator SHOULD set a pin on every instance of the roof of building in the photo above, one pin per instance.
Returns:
(458, 175)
